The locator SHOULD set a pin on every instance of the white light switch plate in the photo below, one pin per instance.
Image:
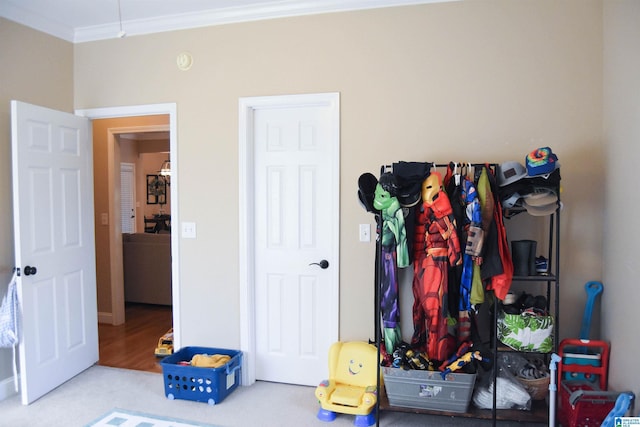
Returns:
(365, 232)
(189, 230)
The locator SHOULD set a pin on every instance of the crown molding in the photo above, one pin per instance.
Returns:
(204, 18)
(38, 22)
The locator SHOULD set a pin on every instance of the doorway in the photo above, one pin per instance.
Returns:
(146, 251)
(112, 310)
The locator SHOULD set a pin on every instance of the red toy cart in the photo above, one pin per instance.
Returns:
(583, 399)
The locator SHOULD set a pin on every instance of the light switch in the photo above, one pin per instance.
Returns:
(104, 218)
(189, 230)
(365, 232)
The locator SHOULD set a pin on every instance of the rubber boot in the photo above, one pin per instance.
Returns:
(520, 250)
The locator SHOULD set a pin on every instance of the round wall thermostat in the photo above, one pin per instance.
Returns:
(184, 61)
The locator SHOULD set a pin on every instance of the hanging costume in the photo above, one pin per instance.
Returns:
(410, 176)
(394, 254)
(433, 255)
(466, 208)
(497, 270)
(9, 323)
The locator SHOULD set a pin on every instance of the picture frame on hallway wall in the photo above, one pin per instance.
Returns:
(156, 190)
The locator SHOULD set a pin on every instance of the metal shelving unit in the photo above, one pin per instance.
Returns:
(539, 410)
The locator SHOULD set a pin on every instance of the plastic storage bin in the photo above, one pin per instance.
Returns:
(583, 399)
(211, 385)
(582, 405)
(427, 389)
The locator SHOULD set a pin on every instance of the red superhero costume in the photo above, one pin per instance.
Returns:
(436, 246)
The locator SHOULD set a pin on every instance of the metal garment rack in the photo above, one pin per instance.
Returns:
(554, 253)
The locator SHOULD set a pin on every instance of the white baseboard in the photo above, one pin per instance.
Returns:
(7, 388)
(105, 317)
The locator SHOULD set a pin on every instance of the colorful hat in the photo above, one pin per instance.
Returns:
(366, 189)
(510, 172)
(541, 161)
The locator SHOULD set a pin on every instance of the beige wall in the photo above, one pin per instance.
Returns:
(622, 138)
(38, 69)
(468, 81)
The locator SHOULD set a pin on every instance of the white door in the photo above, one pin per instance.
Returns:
(54, 246)
(127, 197)
(296, 170)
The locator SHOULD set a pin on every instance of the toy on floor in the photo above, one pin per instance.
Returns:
(583, 397)
(622, 406)
(352, 384)
(165, 344)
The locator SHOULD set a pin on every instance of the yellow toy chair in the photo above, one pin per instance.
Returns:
(351, 387)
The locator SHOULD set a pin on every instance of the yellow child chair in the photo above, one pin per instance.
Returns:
(351, 387)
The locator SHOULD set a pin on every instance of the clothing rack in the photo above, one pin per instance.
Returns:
(378, 273)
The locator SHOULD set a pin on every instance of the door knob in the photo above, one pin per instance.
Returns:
(30, 271)
(323, 264)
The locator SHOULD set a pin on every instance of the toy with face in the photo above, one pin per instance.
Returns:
(431, 186)
(393, 233)
(394, 254)
(441, 249)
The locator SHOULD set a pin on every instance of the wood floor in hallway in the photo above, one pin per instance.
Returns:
(132, 344)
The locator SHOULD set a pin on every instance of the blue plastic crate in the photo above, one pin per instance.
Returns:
(211, 385)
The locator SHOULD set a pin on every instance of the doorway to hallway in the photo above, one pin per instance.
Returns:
(111, 301)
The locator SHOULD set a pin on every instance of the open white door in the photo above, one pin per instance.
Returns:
(54, 246)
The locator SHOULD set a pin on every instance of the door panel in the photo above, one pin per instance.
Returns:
(294, 212)
(54, 232)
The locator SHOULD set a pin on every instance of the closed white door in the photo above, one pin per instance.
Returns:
(295, 146)
(54, 246)
(127, 197)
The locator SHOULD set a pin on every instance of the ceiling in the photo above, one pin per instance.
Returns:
(80, 21)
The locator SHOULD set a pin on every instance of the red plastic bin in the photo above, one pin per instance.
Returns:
(583, 402)
(581, 405)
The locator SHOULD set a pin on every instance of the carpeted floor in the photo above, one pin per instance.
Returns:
(100, 389)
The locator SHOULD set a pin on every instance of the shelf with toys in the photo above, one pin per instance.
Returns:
(450, 242)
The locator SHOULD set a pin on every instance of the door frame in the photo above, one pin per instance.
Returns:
(145, 110)
(246, 197)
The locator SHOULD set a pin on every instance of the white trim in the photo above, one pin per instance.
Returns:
(254, 11)
(105, 317)
(15, 13)
(7, 388)
(171, 110)
(234, 15)
(247, 106)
